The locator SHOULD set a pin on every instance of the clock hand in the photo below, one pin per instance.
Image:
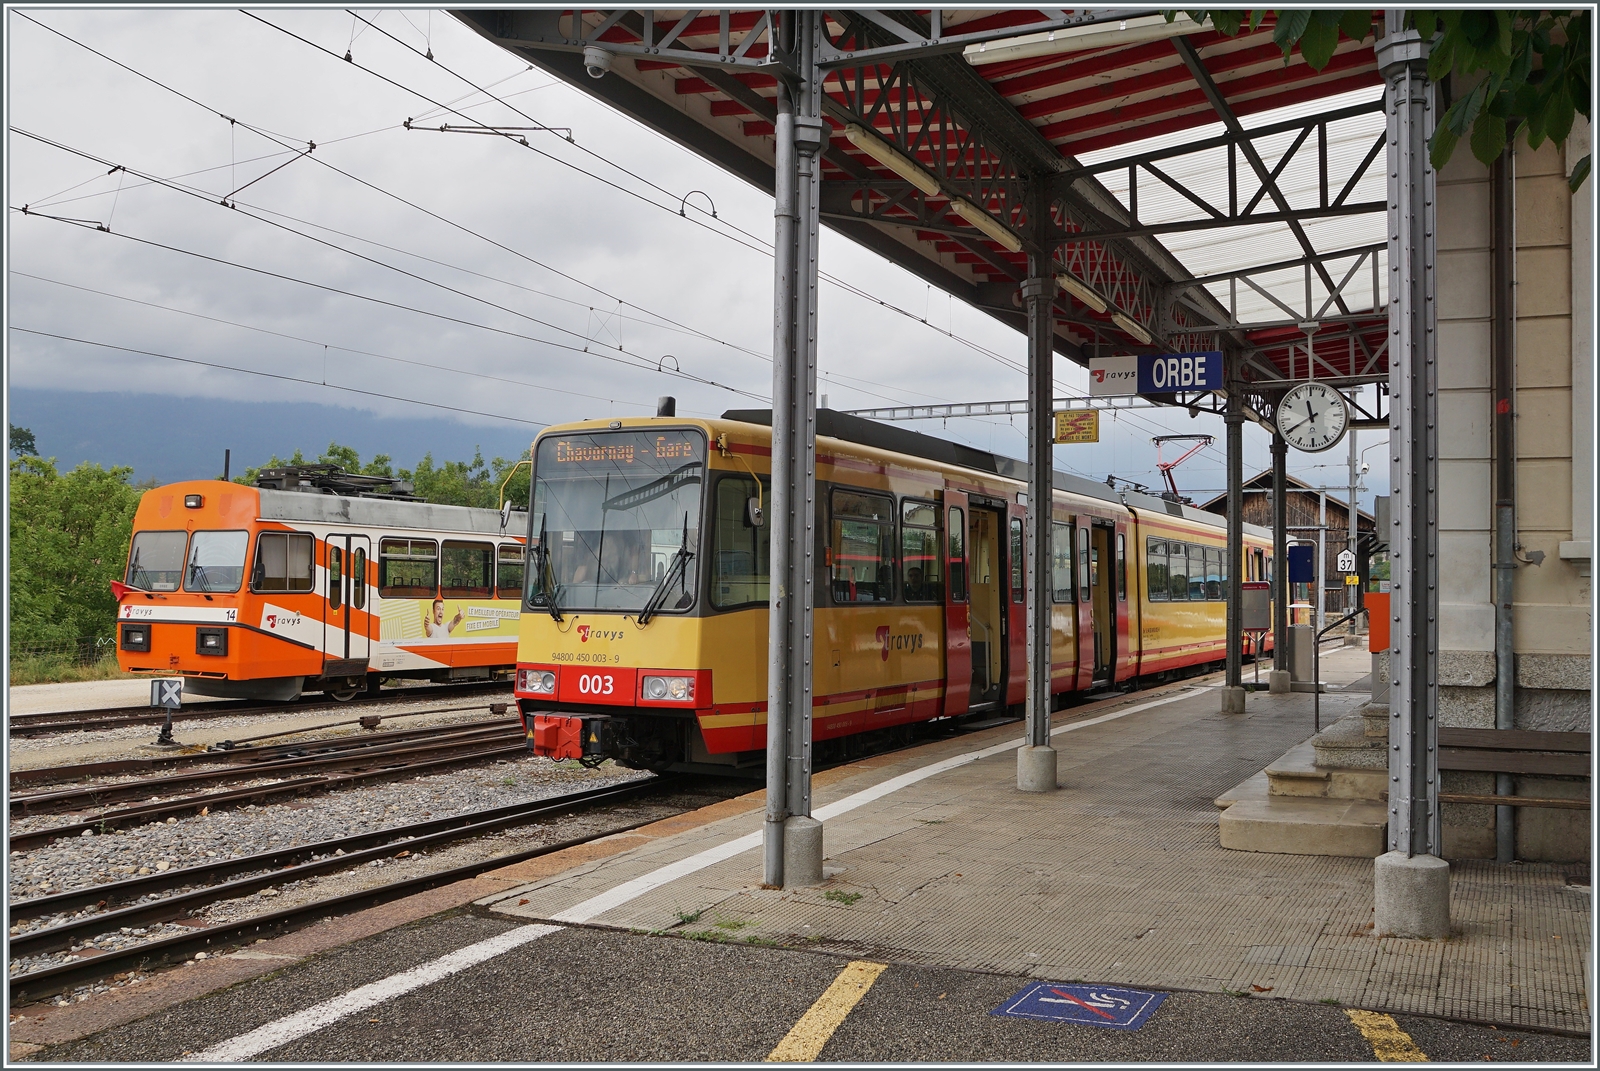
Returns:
(1291, 431)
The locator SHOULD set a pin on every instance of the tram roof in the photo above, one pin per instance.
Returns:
(832, 424)
(1204, 189)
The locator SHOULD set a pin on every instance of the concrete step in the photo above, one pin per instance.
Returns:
(1255, 788)
(1297, 774)
(1305, 826)
(1345, 744)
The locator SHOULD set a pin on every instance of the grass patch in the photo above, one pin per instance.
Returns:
(67, 668)
(841, 897)
(1330, 1000)
(730, 924)
(686, 917)
(1234, 992)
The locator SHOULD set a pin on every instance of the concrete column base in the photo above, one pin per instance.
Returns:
(802, 852)
(1232, 700)
(1278, 682)
(1411, 895)
(1036, 769)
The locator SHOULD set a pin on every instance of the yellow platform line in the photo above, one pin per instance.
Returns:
(1389, 1043)
(816, 1026)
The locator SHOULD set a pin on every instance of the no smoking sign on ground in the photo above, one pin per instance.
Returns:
(1096, 1005)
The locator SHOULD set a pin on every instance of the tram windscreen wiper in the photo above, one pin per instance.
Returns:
(546, 580)
(675, 571)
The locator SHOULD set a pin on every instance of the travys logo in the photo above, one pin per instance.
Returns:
(899, 641)
(285, 620)
(585, 631)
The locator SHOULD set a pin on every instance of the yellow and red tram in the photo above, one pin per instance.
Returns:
(316, 580)
(644, 631)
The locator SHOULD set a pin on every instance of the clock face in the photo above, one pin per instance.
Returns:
(1312, 417)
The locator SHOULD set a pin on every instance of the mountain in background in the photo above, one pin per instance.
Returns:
(168, 439)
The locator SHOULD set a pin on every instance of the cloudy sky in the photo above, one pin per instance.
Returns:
(465, 289)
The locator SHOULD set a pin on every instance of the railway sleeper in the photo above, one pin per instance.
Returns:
(37, 985)
(76, 799)
(152, 812)
(411, 838)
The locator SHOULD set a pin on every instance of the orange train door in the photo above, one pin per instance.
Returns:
(345, 643)
(957, 633)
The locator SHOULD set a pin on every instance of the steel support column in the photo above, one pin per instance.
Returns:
(1280, 564)
(1234, 683)
(1413, 380)
(1036, 763)
(799, 137)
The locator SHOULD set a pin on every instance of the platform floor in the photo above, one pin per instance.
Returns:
(1117, 877)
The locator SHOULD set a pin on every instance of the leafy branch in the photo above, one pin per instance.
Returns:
(1528, 71)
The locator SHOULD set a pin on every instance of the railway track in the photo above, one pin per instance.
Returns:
(269, 869)
(45, 724)
(319, 772)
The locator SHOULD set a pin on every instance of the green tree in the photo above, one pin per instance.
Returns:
(1515, 72)
(22, 442)
(69, 540)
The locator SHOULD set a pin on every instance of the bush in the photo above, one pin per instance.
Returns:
(69, 540)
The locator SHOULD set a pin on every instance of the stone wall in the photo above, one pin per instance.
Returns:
(1553, 405)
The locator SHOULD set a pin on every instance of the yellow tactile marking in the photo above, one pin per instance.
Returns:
(816, 1026)
(1389, 1043)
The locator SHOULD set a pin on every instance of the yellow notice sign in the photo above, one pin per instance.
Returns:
(1351, 579)
(1078, 426)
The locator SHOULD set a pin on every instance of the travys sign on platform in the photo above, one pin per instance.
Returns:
(1155, 373)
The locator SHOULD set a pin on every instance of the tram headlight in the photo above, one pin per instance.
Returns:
(536, 681)
(673, 689)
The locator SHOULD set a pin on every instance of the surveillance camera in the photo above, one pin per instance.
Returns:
(1365, 468)
(597, 61)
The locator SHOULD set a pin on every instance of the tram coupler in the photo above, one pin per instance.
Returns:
(562, 736)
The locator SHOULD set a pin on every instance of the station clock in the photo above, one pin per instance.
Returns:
(1312, 417)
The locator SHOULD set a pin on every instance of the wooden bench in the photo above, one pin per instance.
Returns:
(1514, 751)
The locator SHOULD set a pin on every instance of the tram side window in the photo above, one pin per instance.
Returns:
(1061, 562)
(358, 578)
(335, 576)
(1214, 573)
(1083, 562)
(512, 563)
(1178, 571)
(920, 561)
(1018, 573)
(862, 547)
(1155, 568)
(408, 568)
(156, 561)
(1197, 572)
(1122, 568)
(957, 535)
(741, 552)
(283, 562)
(466, 570)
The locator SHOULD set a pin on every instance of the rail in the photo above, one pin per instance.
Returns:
(1316, 667)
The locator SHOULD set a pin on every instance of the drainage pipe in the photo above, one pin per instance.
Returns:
(1502, 386)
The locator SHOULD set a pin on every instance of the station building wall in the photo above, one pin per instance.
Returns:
(1553, 403)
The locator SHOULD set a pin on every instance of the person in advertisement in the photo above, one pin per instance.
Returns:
(435, 623)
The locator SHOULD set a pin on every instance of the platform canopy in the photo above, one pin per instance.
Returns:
(1205, 194)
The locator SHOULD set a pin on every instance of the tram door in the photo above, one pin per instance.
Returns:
(345, 641)
(1102, 599)
(957, 630)
(987, 626)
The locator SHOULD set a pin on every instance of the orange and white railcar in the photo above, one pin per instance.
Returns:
(264, 592)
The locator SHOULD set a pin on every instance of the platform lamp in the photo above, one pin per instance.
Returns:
(1132, 326)
(1107, 34)
(1080, 290)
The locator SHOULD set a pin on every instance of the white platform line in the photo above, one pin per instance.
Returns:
(599, 904)
(282, 1031)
